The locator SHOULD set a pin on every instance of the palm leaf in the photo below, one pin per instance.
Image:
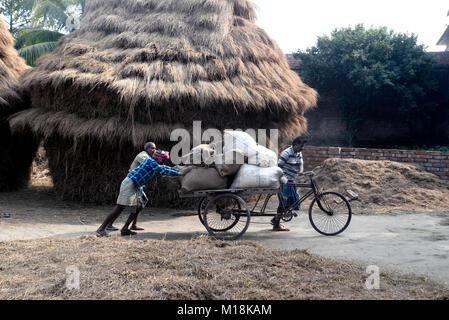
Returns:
(52, 12)
(33, 52)
(34, 36)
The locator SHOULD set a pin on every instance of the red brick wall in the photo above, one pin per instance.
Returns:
(433, 161)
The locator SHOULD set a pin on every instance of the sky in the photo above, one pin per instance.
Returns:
(296, 24)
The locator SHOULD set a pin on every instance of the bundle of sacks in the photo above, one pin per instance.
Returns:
(243, 164)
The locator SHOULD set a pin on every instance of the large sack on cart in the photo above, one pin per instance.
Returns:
(202, 155)
(257, 155)
(202, 179)
(250, 176)
(239, 140)
(263, 157)
(229, 163)
(171, 183)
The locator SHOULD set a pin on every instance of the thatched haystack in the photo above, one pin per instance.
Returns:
(384, 186)
(137, 69)
(16, 151)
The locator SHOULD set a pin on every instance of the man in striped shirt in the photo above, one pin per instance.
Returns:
(291, 162)
(129, 190)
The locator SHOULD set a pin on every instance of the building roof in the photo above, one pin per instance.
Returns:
(441, 58)
(444, 40)
(293, 62)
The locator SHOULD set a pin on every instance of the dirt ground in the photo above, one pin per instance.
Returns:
(34, 258)
(168, 263)
(200, 268)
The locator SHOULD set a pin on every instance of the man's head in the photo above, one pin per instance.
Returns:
(150, 148)
(298, 143)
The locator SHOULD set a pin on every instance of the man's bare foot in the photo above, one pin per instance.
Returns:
(101, 233)
(279, 227)
(111, 228)
(127, 232)
(136, 228)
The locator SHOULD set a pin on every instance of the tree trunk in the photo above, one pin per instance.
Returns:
(11, 23)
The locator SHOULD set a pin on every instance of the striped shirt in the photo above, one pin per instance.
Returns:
(291, 163)
(146, 171)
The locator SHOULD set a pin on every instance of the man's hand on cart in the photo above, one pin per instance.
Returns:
(185, 171)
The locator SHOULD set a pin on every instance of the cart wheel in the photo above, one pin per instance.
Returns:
(224, 217)
(330, 213)
(201, 207)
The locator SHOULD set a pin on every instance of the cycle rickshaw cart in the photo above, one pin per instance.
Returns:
(226, 215)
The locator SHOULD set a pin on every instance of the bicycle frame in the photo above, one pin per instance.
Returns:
(313, 191)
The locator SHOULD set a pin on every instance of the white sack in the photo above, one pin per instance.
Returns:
(239, 140)
(263, 157)
(250, 176)
(202, 154)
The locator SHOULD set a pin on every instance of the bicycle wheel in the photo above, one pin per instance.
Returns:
(224, 217)
(330, 213)
(201, 207)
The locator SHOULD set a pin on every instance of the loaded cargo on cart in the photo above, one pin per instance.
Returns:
(225, 178)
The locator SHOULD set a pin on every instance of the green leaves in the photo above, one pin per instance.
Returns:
(373, 73)
(33, 52)
(53, 14)
(33, 43)
(17, 13)
(37, 25)
(28, 37)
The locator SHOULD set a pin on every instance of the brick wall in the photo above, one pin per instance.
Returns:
(433, 161)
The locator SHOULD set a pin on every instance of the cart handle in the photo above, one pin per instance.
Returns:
(307, 174)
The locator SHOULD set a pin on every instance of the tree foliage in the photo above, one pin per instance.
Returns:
(55, 14)
(17, 13)
(372, 73)
(37, 25)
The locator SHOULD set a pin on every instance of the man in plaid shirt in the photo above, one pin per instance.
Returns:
(129, 191)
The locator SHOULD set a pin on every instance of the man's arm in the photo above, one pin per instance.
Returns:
(169, 171)
(301, 166)
(161, 169)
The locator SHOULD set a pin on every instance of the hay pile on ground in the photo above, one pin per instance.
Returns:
(137, 69)
(384, 185)
(16, 150)
(197, 269)
(40, 175)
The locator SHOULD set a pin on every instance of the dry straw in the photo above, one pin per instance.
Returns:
(16, 150)
(136, 69)
(384, 185)
(199, 269)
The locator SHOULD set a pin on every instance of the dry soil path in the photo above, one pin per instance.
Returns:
(409, 242)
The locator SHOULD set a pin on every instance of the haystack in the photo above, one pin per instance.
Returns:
(16, 150)
(384, 186)
(137, 69)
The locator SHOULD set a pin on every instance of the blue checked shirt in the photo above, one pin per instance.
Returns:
(145, 172)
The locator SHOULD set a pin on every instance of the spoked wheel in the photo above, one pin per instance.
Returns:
(226, 217)
(330, 213)
(201, 207)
